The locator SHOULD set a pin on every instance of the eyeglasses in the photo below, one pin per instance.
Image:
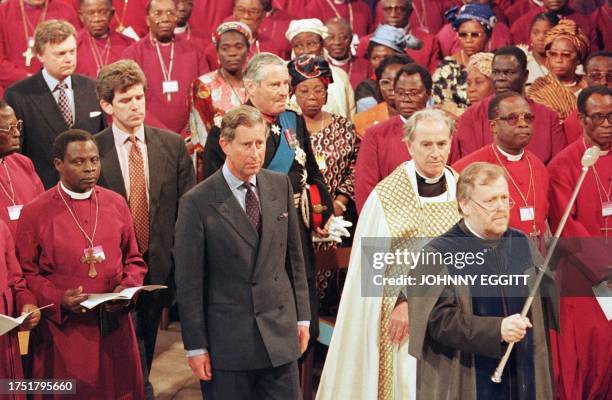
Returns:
(513, 118)
(598, 76)
(405, 95)
(560, 54)
(308, 46)
(471, 35)
(598, 119)
(168, 13)
(12, 128)
(254, 12)
(318, 92)
(501, 203)
(386, 84)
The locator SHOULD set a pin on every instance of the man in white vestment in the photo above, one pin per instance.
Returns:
(368, 354)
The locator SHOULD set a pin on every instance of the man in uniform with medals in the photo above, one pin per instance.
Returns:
(288, 151)
(75, 239)
(511, 121)
(416, 201)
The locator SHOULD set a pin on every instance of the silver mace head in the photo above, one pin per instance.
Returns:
(590, 156)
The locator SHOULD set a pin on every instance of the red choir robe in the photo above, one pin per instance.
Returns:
(585, 340)
(449, 39)
(473, 131)
(195, 37)
(86, 57)
(275, 26)
(13, 40)
(602, 19)
(25, 182)
(262, 43)
(14, 294)
(427, 56)
(357, 68)
(572, 127)
(292, 7)
(382, 150)
(207, 15)
(321, 9)
(188, 64)
(521, 28)
(50, 247)
(134, 16)
(536, 196)
(518, 9)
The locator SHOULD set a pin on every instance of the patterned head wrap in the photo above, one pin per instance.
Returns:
(395, 38)
(568, 29)
(483, 62)
(311, 25)
(232, 26)
(471, 12)
(308, 66)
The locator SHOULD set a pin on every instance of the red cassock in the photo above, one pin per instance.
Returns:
(427, 15)
(263, 43)
(13, 296)
(22, 180)
(194, 37)
(528, 186)
(187, 65)
(518, 9)
(427, 56)
(602, 19)
(357, 68)
(585, 340)
(13, 39)
(50, 247)
(521, 28)
(275, 26)
(572, 127)
(207, 15)
(293, 7)
(449, 39)
(382, 150)
(93, 54)
(473, 131)
(326, 9)
(128, 13)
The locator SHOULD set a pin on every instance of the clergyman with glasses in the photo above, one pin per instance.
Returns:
(511, 121)
(18, 180)
(459, 332)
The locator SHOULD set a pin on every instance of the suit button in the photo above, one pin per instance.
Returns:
(276, 278)
(280, 308)
(282, 244)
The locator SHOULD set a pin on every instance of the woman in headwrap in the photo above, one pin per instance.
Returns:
(566, 47)
(214, 93)
(385, 41)
(473, 23)
(479, 82)
(541, 24)
(333, 138)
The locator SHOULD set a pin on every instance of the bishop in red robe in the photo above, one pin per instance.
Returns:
(207, 15)
(19, 21)
(14, 298)
(184, 31)
(427, 15)
(473, 131)
(356, 12)
(338, 46)
(76, 239)
(129, 17)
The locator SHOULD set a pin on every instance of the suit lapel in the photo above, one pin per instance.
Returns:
(45, 102)
(111, 169)
(269, 214)
(230, 210)
(81, 97)
(158, 160)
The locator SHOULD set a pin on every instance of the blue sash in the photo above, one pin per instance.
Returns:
(283, 158)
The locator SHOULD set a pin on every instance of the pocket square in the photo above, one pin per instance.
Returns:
(93, 114)
(282, 216)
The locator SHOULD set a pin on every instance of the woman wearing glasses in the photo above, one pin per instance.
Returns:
(473, 23)
(566, 47)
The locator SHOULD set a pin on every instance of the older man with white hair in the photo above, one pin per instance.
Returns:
(368, 354)
(307, 37)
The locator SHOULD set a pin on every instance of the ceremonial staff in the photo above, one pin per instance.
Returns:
(589, 158)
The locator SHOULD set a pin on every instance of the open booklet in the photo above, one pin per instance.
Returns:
(7, 323)
(95, 299)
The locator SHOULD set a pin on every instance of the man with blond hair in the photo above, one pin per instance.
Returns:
(54, 99)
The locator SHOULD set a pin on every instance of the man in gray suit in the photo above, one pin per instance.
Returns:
(151, 169)
(240, 276)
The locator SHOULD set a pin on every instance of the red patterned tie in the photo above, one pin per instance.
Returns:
(64, 103)
(138, 195)
(252, 206)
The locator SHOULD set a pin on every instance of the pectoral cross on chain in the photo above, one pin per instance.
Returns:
(28, 55)
(91, 259)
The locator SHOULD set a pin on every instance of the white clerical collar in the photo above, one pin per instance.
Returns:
(472, 231)
(603, 153)
(180, 29)
(404, 120)
(75, 195)
(430, 181)
(339, 1)
(340, 62)
(52, 82)
(511, 157)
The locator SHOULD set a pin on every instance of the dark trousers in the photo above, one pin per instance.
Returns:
(274, 383)
(146, 316)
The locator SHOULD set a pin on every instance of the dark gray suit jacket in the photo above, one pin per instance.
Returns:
(240, 295)
(34, 103)
(171, 174)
